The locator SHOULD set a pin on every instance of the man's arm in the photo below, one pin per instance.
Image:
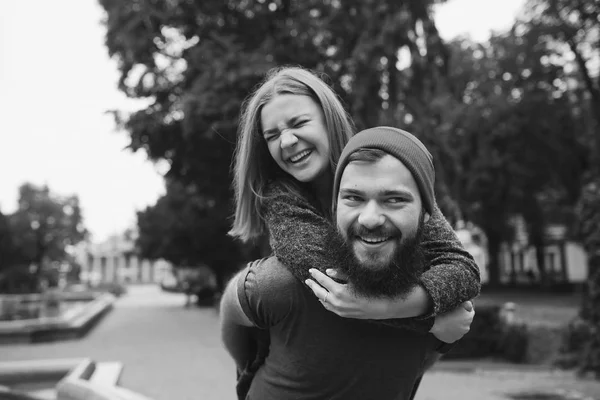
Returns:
(260, 296)
(236, 326)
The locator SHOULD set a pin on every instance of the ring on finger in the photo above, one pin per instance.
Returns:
(325, 299)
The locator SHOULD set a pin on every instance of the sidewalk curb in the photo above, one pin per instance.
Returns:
(471, 366)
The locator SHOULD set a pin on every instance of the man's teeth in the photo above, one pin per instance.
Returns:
(299, 156)
(374, 240)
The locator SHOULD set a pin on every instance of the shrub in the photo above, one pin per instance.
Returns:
(490, 336)
(513, 343)
(544, 343)
(572, 348)
(484, 337)
(111, 287)
(18, 280)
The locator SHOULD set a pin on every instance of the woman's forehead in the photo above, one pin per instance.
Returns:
(286, 106)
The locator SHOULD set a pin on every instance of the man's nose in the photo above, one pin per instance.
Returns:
(371, 216)
(288, 139)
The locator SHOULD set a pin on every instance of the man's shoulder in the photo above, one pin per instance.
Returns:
(271, 271)
(268, 291)
(270, 279)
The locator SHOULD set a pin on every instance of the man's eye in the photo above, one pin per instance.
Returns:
(396, 200)
(352, 198)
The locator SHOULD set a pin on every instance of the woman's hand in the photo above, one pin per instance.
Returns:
(339, 298)
(453, 325)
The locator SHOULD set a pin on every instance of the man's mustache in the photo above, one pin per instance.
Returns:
(357, 229)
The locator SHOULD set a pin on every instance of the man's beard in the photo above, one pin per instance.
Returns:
(397, 275)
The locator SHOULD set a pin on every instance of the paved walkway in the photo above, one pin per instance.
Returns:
(173, 353)
(169, 352)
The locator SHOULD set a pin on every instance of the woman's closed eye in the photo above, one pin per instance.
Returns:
(300, 123)
(271, 136)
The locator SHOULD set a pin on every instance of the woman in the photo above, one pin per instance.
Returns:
(292, 131)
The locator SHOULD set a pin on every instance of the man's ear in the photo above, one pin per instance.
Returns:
(426, 217)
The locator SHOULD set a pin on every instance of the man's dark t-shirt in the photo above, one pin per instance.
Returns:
(315, 354)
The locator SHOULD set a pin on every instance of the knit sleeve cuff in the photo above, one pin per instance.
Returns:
(435, 301)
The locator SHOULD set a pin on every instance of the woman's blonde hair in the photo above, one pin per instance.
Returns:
(253, 165)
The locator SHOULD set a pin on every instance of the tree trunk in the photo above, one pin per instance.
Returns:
(513, 267)
(591, 356)
(221, 278)
(494, 265)
(40, 253)
(590, 308)
(544, 277)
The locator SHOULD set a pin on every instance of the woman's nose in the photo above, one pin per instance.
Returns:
(288, 139)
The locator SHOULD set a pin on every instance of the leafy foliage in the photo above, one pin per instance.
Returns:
(44, 225)
(7, 246)
(572, 30)
(184, 228)
(501, 130)
(196, 61)
(38, 233)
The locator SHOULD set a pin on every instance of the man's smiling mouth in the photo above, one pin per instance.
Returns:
(374, 240)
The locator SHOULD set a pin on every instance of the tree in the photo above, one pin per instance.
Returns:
(590, 309)
(574, 24)
(184, 229)
(196, 61)
(7, 247)
(501, 131)
(44, 225)
(572, 28)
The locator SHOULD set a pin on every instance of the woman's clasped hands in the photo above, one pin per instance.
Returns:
(337, 296)
(340, 299)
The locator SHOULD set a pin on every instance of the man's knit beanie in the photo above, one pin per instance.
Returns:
(400, 144)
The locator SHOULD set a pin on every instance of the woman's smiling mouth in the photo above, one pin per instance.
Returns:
(300, 156)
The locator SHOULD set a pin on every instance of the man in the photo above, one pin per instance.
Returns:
(384, 186)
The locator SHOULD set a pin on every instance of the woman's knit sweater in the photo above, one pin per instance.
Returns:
(302, 238)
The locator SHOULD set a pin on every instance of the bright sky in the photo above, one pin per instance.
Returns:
(56, 82)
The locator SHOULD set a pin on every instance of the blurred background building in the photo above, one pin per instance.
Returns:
(565, 261)
(116, 260)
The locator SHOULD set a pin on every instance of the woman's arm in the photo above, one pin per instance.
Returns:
(342, 299)
(302, 239)
(299, 235)
(448, 327)
(453, 276)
